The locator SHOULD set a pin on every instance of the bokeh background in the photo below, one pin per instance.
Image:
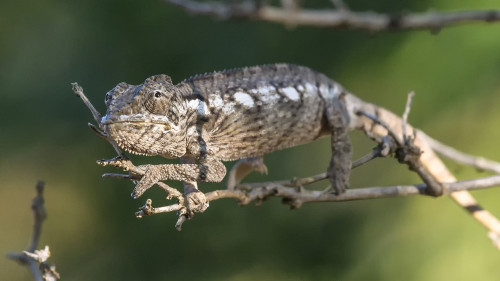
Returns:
(91, 228)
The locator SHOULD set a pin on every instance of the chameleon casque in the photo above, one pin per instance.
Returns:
(223, 116)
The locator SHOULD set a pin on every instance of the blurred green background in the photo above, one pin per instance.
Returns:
(91, 228)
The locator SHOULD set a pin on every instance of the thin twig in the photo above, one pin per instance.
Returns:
(79, 93)
(479, 163)
(339, 17)
(148, 209)
(405, 116)
(78, 90)
(382, 150)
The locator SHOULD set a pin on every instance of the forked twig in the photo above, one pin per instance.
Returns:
(36, 260)
(406, 151)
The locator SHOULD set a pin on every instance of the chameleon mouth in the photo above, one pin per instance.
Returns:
(137, 119)
(138, 134)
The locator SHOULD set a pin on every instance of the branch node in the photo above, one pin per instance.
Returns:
(409, 153)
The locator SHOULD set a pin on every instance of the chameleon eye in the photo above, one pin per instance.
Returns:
(107, 99)
(156, 102)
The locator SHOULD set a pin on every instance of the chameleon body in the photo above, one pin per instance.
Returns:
(228, 115)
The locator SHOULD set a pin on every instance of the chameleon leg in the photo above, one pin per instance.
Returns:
(340, 163)
(209, 171)
(244, 167)
(196, 202)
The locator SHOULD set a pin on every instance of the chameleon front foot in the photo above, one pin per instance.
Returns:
(196, 202)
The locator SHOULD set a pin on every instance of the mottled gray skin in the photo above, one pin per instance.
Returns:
(225, 116)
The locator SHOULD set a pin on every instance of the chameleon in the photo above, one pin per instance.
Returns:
(237, 114)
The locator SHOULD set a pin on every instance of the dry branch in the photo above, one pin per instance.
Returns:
(36, 260)
(340, 17)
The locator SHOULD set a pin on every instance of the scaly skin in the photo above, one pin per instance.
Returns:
(228, 115)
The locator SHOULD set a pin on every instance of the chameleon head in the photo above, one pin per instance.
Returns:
(144, 119)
